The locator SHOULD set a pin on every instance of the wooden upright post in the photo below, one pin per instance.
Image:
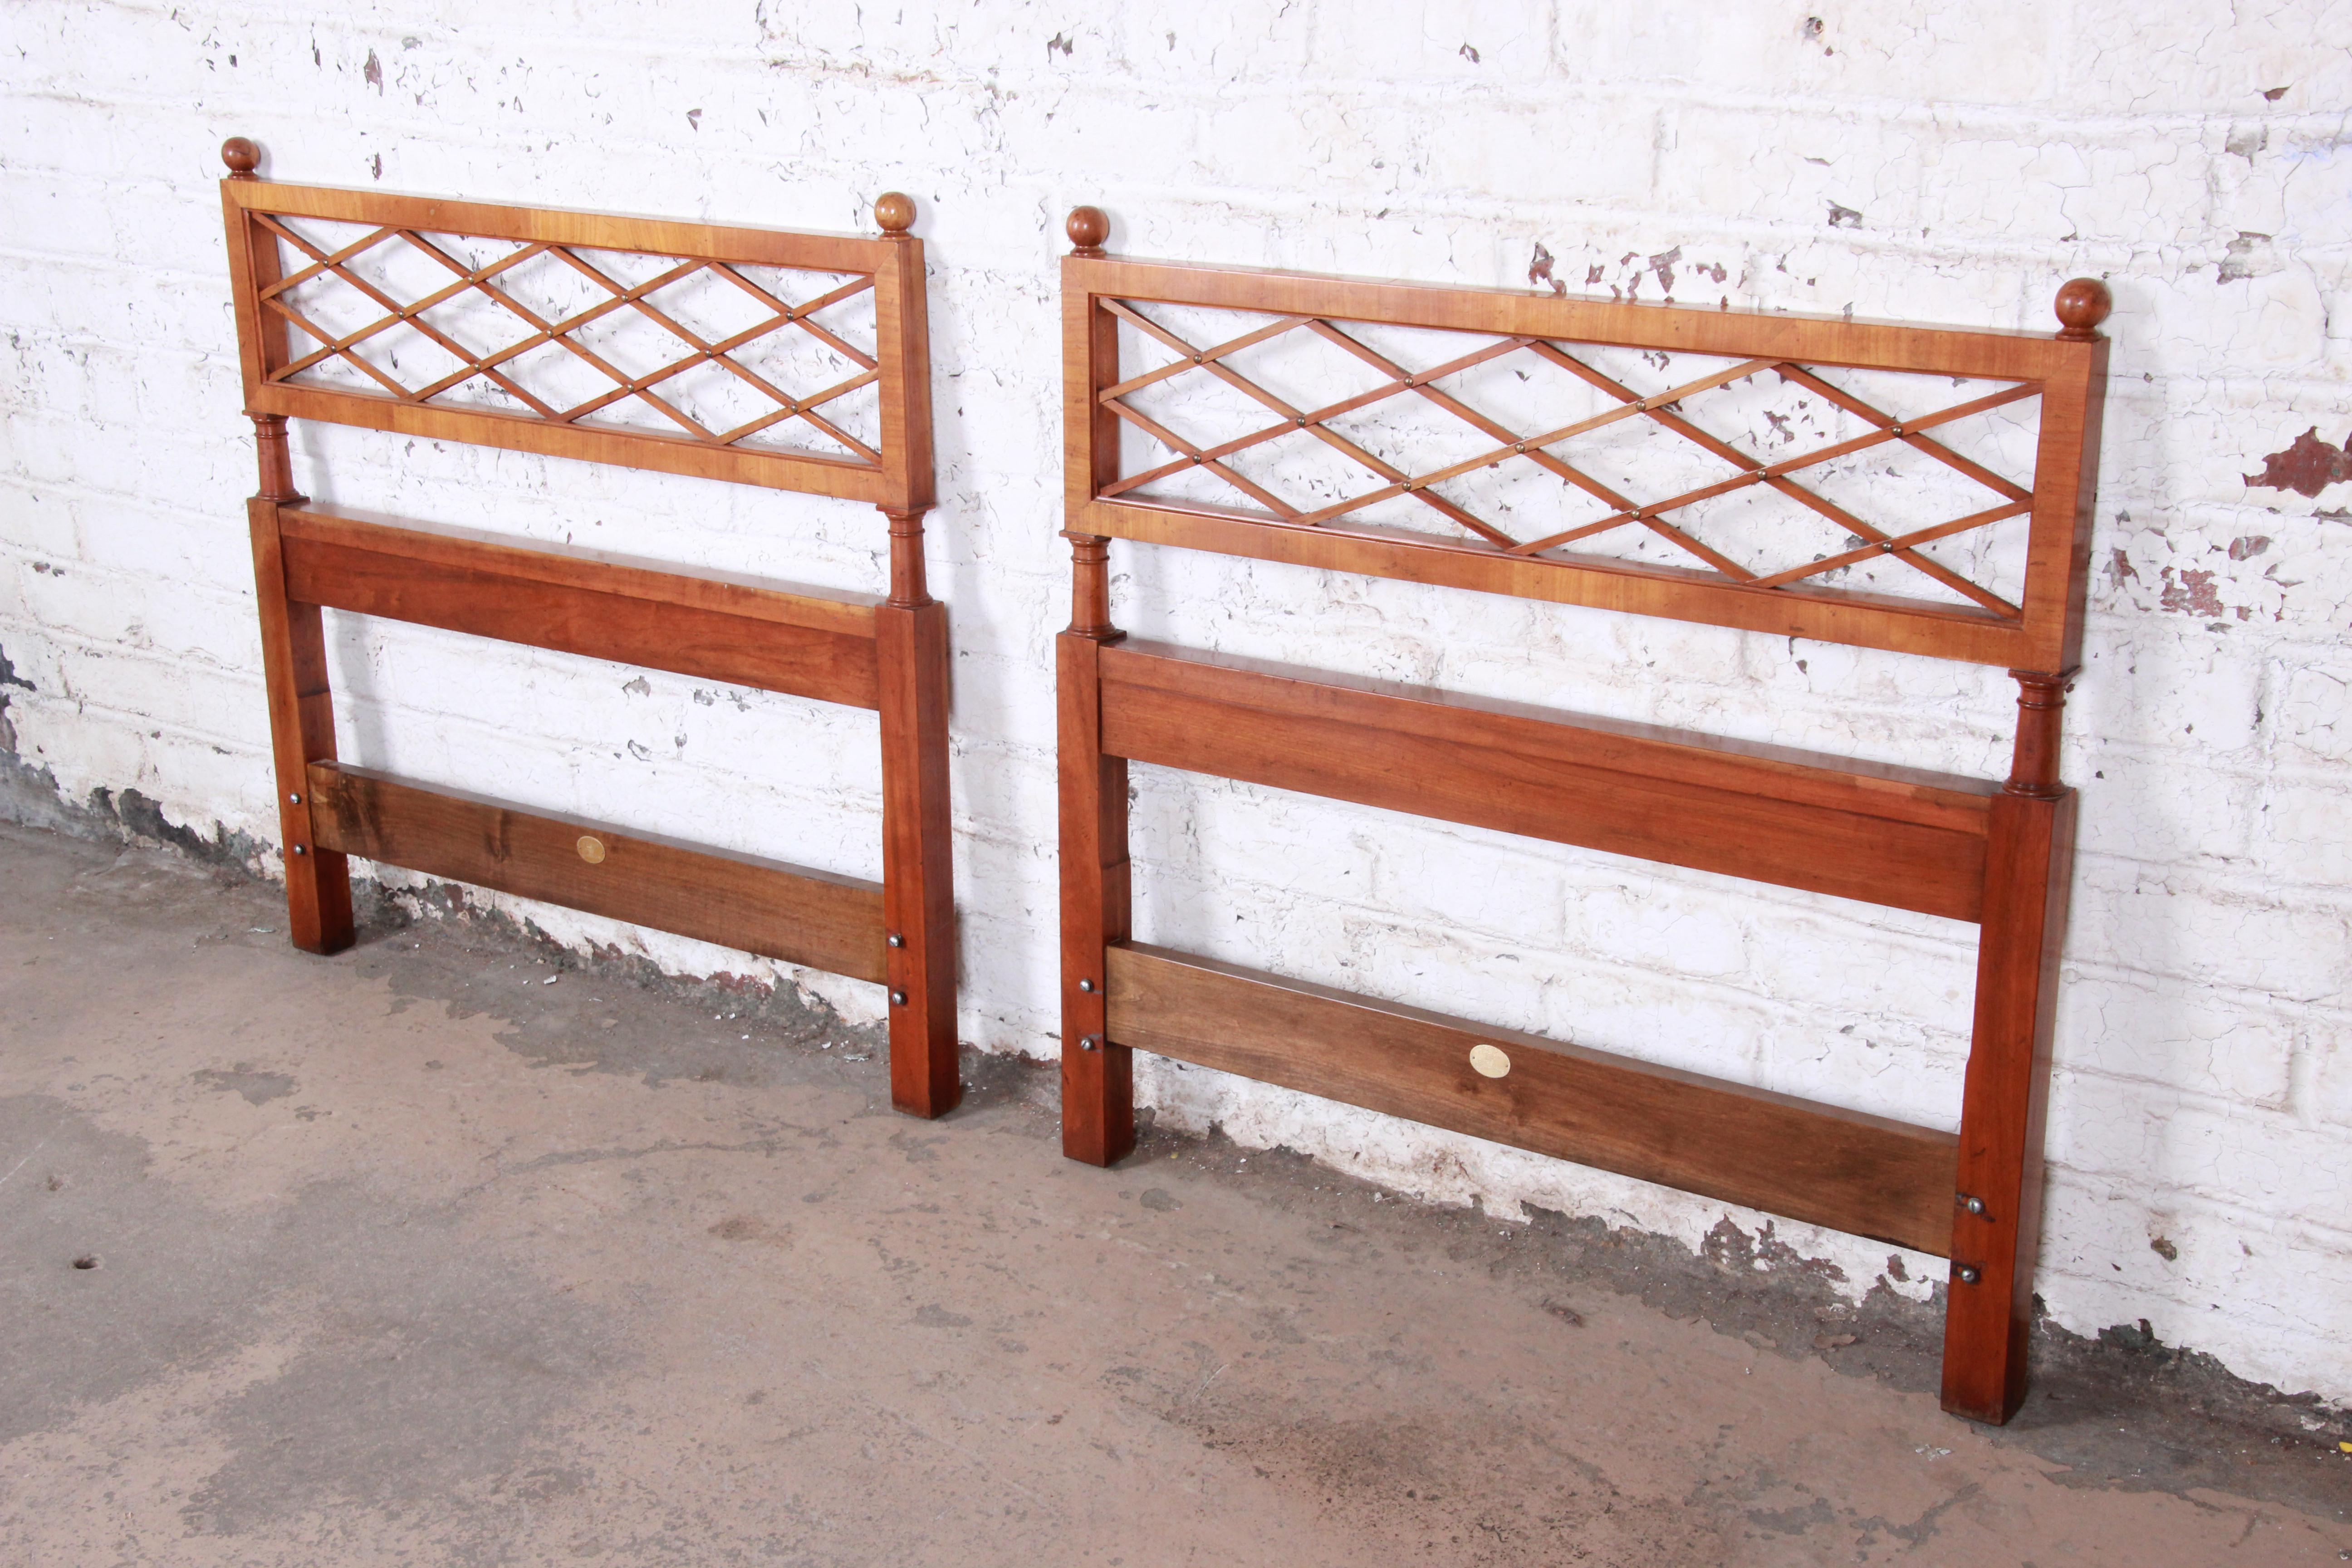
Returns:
(1997, 1210)
(910, 647)
(293, 635)
(918, 862)
(301, 708)
(1098, 1076)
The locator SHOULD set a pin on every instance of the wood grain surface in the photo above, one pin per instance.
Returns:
(787, 913)
(1842, 1168)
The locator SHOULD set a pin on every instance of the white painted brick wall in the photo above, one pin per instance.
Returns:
(2196, 154)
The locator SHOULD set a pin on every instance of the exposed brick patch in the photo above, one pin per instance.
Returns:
(2307, 466)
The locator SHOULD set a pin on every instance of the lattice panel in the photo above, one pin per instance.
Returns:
(1765, 473)
(718, 353)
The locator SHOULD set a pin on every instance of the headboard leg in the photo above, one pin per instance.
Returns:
(301, 708)
(1097, 1076)
(1997, 1210)
(917, 860)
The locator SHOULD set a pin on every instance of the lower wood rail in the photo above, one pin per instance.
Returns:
(1852, 1172)
(780, 912)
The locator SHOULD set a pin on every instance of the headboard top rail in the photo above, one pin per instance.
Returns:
(796, 360)
(1882, 484)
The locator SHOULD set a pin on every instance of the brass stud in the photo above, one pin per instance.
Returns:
(1489, 1061)
(592, 848)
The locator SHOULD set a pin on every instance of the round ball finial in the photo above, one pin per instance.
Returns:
(1087, 228)
(243, 156)
(895, 211)
(2082, 304)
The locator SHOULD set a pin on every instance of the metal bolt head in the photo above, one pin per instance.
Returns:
(294, 800)
(898, 998)
(299, 850)
(897, 941)
(1975, 1205)
(1967, 1274)
(1086, 985)
(1090, 1043)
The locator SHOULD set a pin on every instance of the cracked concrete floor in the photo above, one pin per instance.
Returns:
(411, 1256)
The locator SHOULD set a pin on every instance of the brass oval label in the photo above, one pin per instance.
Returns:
(592, 848)
(1489, 1060)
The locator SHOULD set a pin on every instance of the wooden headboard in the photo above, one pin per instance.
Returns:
(1923, 489)
(798, 362)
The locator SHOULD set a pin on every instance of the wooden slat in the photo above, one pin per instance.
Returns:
(776, 910)
(559, 226)
(802, 642)
(1864, 1174)
(1600, 583)
(2001, 355)
(1894, 837)
(812, 475)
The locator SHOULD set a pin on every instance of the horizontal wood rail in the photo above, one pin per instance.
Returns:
(1849, 1170)
(1594, 582)
(1885, 836)
(804, 642)
(781, 911)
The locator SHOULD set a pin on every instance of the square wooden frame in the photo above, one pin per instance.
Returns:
(888, 655)
(1998, 855)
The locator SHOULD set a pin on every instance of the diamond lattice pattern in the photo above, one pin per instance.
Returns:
(1569, 451)
(714, 353)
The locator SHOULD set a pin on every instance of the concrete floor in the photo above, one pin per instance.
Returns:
(413, 1256)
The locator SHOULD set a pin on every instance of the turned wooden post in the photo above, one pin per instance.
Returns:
(301, 707)
(1098, 1076)
(1997, 1209)
(910, 645)
(293, 649)
(2029, 872)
